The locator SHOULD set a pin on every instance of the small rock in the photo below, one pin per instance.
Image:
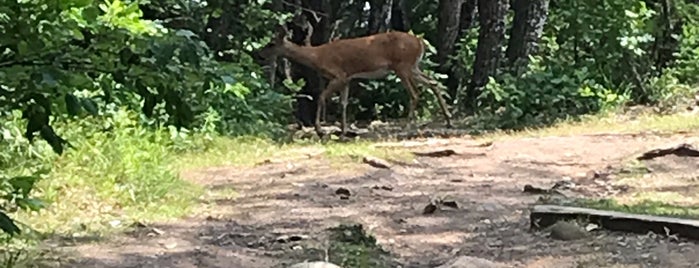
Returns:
(169, 245)
(383, 187)
(489, 207)
(591, 227)
(115, 223)
(567, 231)
(429, 209)
(282, 239)
(315, 264)
(451, 204)
(343, 191)
(471, 262)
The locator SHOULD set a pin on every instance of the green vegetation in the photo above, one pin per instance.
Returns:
(646, 206)
(104, 102)
(351, 246)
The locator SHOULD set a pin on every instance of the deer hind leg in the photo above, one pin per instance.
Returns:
(334, 85)
(434, 86)
(407, 80)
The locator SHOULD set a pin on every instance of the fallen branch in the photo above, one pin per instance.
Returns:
(682, 150)
(440, 153)
(376, 162)
(543, 216)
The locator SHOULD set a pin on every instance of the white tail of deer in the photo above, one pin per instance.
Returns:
(369, 57)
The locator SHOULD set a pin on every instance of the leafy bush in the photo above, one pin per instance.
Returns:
(541, 96)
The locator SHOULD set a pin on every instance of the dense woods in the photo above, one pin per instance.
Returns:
(82, 80)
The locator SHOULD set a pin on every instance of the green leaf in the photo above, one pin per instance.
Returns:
(186, 33)
(23, 184)
(90, 14)
(72, 104)
(149, 101)
(37, 117)
(89, 105)
(228, 79)
(22, 48)
(32, 204)
(8, 225)
(56, 142)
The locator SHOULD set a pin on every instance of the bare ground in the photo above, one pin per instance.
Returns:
(297, 198)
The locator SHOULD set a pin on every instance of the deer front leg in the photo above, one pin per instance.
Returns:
(333, 85)
(344, 101)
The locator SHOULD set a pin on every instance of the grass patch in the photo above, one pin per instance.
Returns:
(108, 179)
(248, 151)
(643, 206)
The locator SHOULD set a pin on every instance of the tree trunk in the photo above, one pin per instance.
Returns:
(528, 25)
(305, 112)
(491, 15)
(455, 79)
(398, 21)
(448, 28)
(665, 45)
(468, 15)
(401, 18)
(380, 16)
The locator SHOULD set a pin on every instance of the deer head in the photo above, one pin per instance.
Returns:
(280, 41)
(273, 48)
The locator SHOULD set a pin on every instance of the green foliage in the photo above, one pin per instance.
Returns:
(594, 57)
(650, 207)
(119, 170)
(80, 58)
(543, 95)
(351, 246)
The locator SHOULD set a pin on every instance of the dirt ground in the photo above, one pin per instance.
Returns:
(297, 199)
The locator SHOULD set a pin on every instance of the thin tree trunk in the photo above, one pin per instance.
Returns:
(456, 77)
(491, 15)
(405, 14)
(380, 16)
(528, 25)
(305, 112)
(468, 15)
(448, 28)
(397, 17)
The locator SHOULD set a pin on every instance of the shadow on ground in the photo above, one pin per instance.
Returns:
(280, 202)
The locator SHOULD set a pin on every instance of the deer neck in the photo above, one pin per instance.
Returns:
(305, 55)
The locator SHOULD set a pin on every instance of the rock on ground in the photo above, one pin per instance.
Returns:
(315, 264)
(471, 262)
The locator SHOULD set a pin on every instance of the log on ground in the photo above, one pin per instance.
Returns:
(543, 216)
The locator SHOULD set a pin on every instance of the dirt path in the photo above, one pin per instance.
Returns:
(298, 199)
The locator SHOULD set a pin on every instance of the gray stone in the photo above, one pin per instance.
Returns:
(471, 262)
(315, 264)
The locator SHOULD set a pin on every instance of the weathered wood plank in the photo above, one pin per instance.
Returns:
(542, 216)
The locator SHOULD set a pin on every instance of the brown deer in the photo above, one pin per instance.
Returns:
(369, 57)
